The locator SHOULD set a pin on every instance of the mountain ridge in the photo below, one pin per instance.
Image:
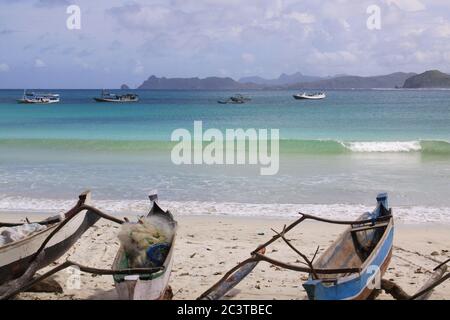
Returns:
(392, 80)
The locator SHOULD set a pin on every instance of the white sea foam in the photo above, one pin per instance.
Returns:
(405, 214)
(383, 146)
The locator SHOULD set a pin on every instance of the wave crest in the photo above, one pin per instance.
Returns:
(384, 146)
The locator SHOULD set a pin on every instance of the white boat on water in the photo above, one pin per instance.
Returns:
(39, 98)
(310, 96)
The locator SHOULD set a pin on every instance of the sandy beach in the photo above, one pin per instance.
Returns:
(208, 246)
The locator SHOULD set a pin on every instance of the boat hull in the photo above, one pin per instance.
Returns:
(354, 287)
(22, 101)
(133, 288)
(147, 287)
(15, 257)
(115, 100)
(345, 251)
(303, 97)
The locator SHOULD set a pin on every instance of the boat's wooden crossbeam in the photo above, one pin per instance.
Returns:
(305, 269)
(370, 227)
(305, 216)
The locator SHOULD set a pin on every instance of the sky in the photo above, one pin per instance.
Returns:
(127, 41)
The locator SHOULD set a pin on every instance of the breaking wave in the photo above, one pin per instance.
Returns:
(333, 146)
(293, 146)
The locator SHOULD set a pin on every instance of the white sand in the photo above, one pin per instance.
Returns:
(207, 247)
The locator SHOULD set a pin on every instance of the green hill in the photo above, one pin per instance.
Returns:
(428, 79)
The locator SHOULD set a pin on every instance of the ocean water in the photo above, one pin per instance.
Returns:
(335, 154)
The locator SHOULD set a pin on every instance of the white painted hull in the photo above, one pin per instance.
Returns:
(132, 288)
(15, 256)
(27, 101)
(309, 97)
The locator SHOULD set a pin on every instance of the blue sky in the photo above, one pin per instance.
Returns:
(127, 41)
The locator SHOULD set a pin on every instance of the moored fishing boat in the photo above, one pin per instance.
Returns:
(16, 256)
(236, 99)
(151, 286)
(39, 98)
(310, 96)
(111, 97)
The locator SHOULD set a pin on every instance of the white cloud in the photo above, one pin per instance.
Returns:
(426, 56)
(407, 5)
(38, 63)
(224, 72)
(275, 10)
(304, 18)
(151, 17)
(344, 23)
(333, 57)
(4, 67)
(442, 31)
(248, 57)
(82, 63)
(139, 68)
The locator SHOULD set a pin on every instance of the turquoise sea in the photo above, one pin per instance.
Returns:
(335, 154)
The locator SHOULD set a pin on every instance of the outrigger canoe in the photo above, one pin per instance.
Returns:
(351, 268)
(15, 257)
(150, 286)
(42, 248)
(367, 247)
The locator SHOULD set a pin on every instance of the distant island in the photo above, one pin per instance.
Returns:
(124, 87)
(298, 81)
(429, 79)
